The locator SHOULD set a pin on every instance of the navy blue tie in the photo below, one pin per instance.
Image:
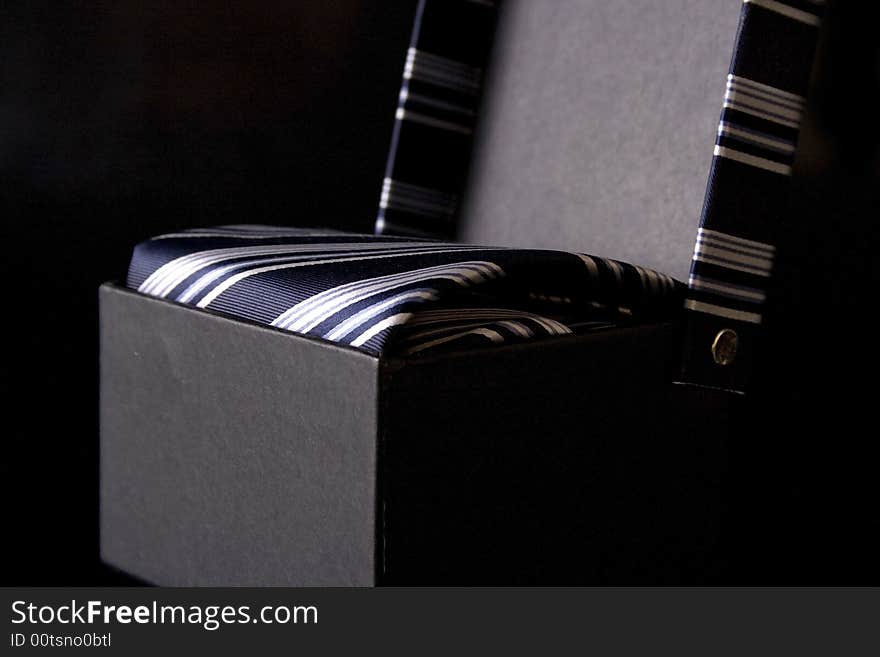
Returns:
(384, 294)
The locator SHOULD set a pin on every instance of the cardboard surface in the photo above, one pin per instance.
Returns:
(570, 462)
(233, 454)
(597, 127)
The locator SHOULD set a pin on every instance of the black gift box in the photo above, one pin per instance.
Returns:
(235, 454)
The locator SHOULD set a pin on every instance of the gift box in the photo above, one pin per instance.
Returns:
(236, 451)
(233, 454)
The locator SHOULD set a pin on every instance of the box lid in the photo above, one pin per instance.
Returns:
(595, 136)
(597, 125)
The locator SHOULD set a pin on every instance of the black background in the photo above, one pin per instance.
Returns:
(123, 120)
(119, 122)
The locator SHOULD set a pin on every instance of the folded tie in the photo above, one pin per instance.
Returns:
(400, 295)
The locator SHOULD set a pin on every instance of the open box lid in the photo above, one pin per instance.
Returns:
(596, 134)
(596, 127)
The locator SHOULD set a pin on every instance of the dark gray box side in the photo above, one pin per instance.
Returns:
(237, 454)
(233, 454)
(572, 461)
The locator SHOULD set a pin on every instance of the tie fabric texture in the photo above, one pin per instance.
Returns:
(397, 295)
(748, 192)
(436, 113)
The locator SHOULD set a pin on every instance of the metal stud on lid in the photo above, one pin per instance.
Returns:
(724, 347)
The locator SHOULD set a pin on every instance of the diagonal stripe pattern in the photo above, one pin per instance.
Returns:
(386, 295)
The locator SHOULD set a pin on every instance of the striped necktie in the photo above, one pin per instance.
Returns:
(383, 294)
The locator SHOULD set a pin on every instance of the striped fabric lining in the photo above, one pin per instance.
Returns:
(436, 113)
(759, 125)
(418, 200)
(396, 295)
(761, 116)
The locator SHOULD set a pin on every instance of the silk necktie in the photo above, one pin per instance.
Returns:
(384, 294)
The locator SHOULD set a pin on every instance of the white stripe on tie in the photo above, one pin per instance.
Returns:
(727, 237)
(233, 280)
(321, 299)
(324, 312)
(377, 328)
(785, 10)
(720, 311)
(370, 312)
(494, 336)
(752, 160)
